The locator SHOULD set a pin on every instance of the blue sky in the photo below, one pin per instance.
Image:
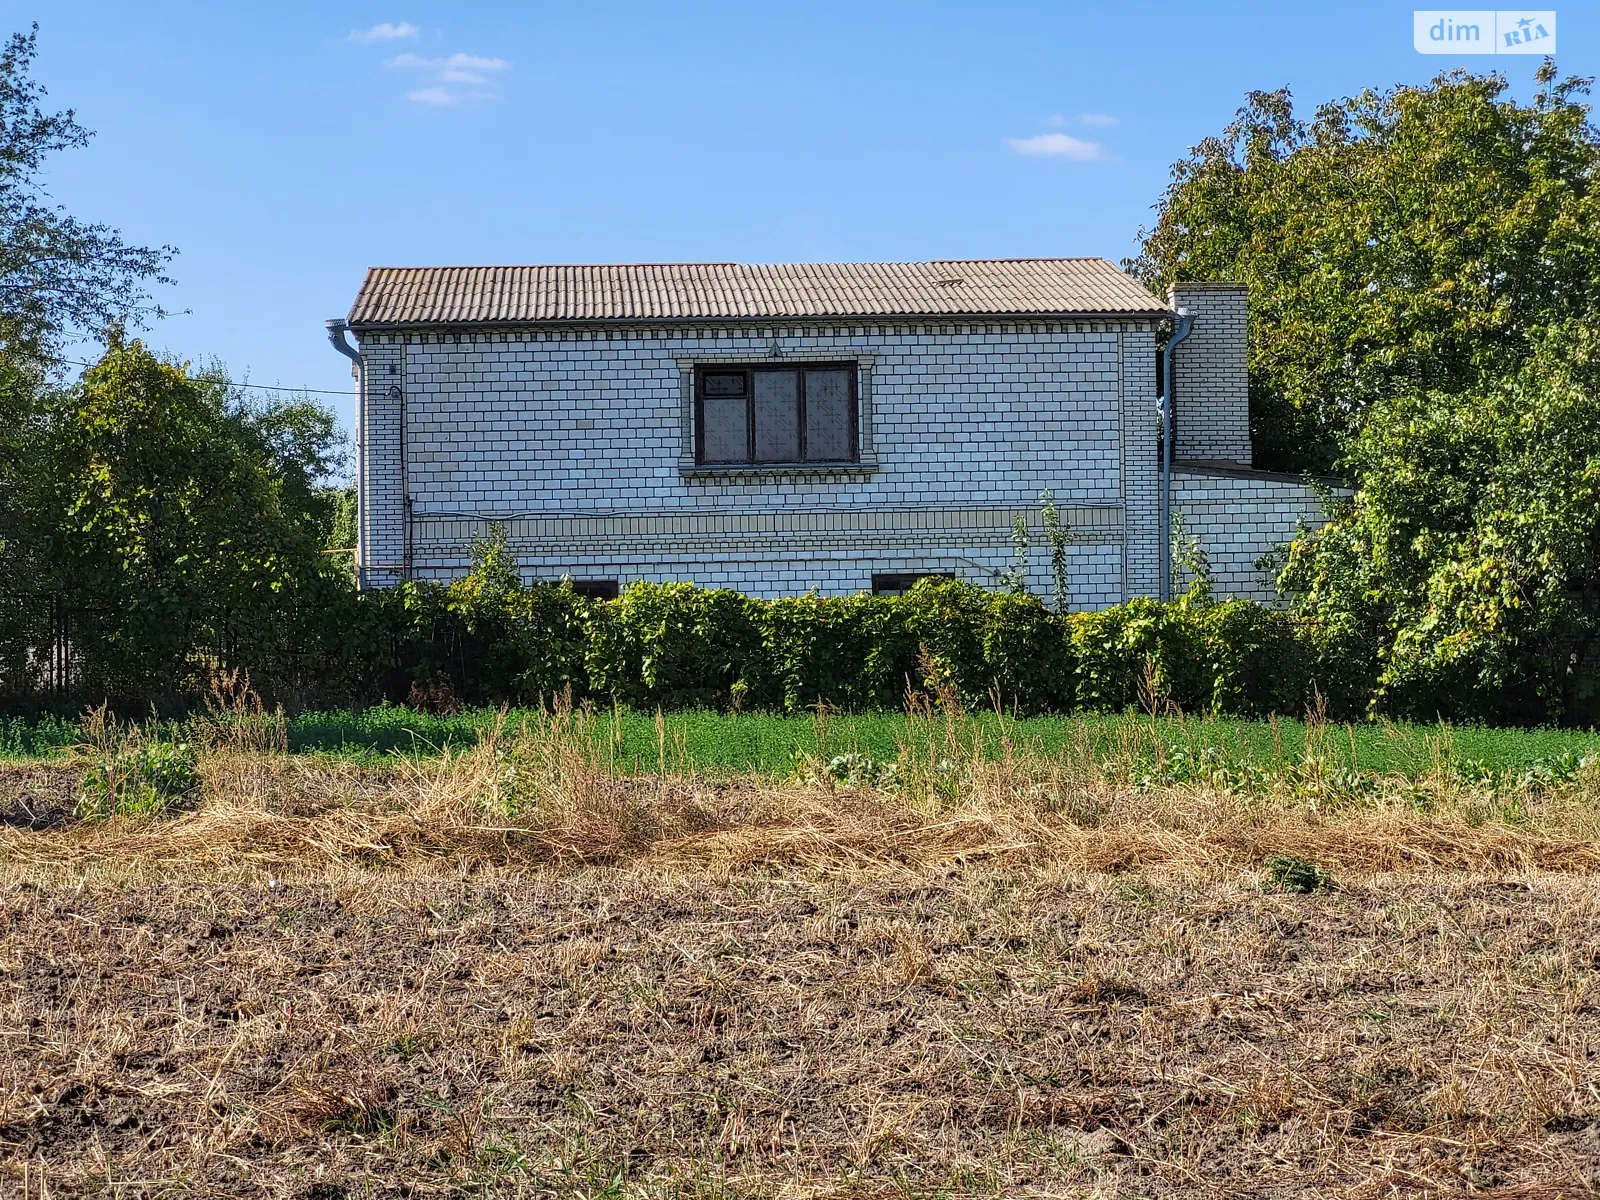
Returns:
(284, 148)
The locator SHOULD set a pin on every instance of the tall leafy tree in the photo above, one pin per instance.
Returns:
(58, 274)
(24, 620)
(1418, 239)
(301, 445)
(183, 522)
(1463, 578)
(173, 524)
(59, 277)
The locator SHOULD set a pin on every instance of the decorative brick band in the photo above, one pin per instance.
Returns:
(446, 533)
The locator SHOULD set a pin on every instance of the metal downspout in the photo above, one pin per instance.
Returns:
(336, 330)
(1182, 323)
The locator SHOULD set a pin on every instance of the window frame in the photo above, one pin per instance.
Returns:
(852, 372)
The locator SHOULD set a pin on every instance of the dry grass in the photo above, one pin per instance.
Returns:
(546, 794)
(516, 972)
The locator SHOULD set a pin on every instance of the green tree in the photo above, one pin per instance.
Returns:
(24, 623)
(58, 276)
(299, 443)
(1397, 243)
(181, 523)
(1464, 576)
(57, 273)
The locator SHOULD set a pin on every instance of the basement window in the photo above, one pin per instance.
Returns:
(898, 583)
(785, 415)
(596, 589)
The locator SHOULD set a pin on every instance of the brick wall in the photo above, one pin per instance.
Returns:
(548, 431)
(382, 483)
(577, 443)
(789, 567)
(1212, 387)
(1141, 467)
(1237, 517)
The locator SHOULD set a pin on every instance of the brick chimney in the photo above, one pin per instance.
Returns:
(1211, 392)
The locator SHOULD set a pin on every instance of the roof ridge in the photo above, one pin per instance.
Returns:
(694, 262)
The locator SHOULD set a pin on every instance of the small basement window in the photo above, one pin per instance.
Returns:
(596, 589)
(790, 414)
(899, 583)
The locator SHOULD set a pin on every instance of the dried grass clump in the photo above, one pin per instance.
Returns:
(235, 719)
(550, 790)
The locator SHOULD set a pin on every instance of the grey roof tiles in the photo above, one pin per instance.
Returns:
(1022, 287)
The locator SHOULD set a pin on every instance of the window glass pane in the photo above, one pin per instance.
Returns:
(726, 438)
(828, 416)
(777, 416)
(723, 385)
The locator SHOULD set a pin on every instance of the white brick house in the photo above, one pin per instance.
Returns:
(780, 428)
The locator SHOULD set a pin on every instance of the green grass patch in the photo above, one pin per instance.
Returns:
(1174, 749)
(141, 780)
(38, 738)
(767, 743)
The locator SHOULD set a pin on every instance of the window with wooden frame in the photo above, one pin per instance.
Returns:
(790, 414)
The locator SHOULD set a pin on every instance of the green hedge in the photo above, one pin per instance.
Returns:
(676, 646)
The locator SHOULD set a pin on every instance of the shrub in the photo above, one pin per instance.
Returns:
(673, 645)
(142, 780)
(489, 638)
(1253, 659)
(946, 618)
(1028, 655)
(523, 643)
(1114, 649)
(851, 652)
(864, 652)
(1286, 873)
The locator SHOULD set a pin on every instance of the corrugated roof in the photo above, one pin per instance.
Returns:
(711, 291)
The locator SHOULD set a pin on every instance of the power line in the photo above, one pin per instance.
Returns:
(263, 387)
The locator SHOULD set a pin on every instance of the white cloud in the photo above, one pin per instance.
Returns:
(1056, 145)
(473, 71)
(472, 62)
(437, 96)
(1097, 119)
(455, 62)
(385, 31)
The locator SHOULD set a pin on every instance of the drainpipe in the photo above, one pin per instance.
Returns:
(336, 330)
(1182, 323)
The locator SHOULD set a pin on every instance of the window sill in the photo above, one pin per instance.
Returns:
(734, 471)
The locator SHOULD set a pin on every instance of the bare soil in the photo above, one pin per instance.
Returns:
(949, 1032)
(514, 974)
(36, 796)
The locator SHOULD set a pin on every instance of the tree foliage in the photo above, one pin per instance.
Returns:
(1464, 576)
(183, 526)
(489, 638)
(1404, 242)
(58, 274)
